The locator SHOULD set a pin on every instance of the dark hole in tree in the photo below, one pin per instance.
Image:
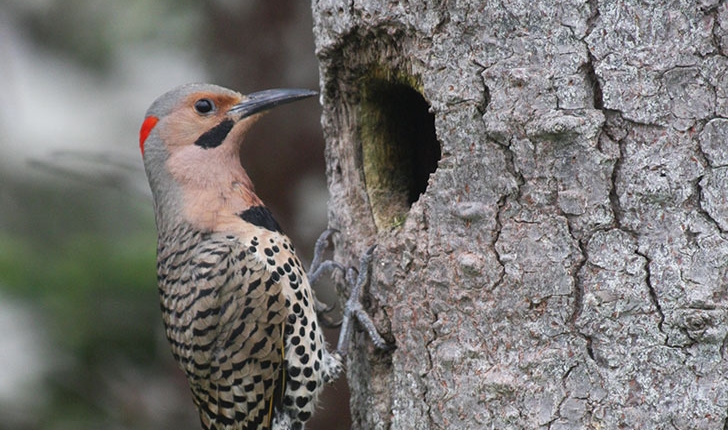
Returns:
(399, 148)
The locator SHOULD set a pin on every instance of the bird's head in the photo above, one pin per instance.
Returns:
(190, 138)
(200, 118)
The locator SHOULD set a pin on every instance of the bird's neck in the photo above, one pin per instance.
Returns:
(216, 209)
(214, 189)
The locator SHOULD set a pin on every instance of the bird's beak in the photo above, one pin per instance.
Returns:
(268, 99)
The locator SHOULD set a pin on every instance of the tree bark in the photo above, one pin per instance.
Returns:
(546, 182)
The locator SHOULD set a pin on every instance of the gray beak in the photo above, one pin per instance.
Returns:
(268, 99)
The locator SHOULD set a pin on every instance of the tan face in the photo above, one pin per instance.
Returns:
(198, 113)
(206, 116)
(200, 139)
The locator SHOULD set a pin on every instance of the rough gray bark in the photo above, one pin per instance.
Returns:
(567, 265)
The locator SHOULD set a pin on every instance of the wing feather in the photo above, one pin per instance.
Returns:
(241, 323)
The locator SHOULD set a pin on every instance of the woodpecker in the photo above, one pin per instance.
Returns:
(237, 305)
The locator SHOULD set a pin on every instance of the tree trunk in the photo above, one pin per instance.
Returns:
(546, 182)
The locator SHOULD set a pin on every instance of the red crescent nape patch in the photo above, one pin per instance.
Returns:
(147, 126)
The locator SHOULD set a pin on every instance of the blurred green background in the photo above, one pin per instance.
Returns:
(81, 342)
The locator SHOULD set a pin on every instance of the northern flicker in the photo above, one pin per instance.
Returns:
(236, 302)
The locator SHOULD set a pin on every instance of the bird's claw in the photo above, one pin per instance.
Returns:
(357, 280)
(319, 266)
(353, 309)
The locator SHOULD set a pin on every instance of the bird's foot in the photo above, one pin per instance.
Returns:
(353, 309)
(319, 267)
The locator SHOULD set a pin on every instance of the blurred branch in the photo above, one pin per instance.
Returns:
(103, 168)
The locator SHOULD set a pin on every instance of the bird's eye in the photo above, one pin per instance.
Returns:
(204, 106)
